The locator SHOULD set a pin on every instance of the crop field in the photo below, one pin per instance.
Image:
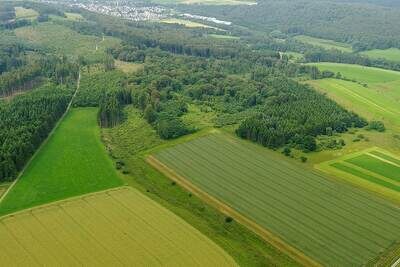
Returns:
(379, 100)
(25, 13)
(309, 216)
(324, 43)
(119, 227)
(73, 162)
(65, 41)
(374, 168)
(392, 54)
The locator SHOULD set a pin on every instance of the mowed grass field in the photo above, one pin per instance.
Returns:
(186, 23)
(374, 168)
(73, 162)
(66, 41)
(330, 222)
(324, 43)
(118, 227)
(379, 100)
(392, 54)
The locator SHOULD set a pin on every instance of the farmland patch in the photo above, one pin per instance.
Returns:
(325, 220)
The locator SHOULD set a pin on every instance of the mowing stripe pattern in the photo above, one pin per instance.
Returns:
(333, 223)
(119, 227)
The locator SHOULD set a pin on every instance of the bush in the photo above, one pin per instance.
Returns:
(377, 126)
(303, 159)
(228, 219)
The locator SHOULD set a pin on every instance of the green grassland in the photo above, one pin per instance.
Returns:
(324, 43)
(74, 16)
(333, 223)
(119, 227)
(186, 23)
(73, 162)
(65, 41)
(128, 67)
(221, 36)
(132, 140)
(374, 168)
(25, 13)
(392, 54)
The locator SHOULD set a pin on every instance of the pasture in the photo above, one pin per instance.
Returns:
(26, 13)
(119, 227)
(391, 54)
(309, 216)
(74, 16)
(206, 2)
(374, 168)
(65, 41)
(128, 67)
(73, 162)
(324, 43)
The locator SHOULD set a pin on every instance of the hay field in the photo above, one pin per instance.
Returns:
(119, 227)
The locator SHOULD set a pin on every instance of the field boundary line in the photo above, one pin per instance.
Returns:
(396, 263)
(382, 159)
(44, 142)
(66, 200)
(277, 242)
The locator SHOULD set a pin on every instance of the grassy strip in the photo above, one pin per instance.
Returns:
(376, 166)
(370, 178)
(384, 156)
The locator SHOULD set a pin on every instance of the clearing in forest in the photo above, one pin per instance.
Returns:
(309, 216)
(373, 168)
(324, 43)
(73, 162)
(66, 41)
(118, 227)
(26, 13)
(391, 54)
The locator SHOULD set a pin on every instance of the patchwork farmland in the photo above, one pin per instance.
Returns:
(119, 227)
(373, 168)
(326, 221)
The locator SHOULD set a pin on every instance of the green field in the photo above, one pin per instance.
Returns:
(375, 169)
(324, 43)
(74, 16)
(73, 162)
(65, 41)
(221, 36)
(331, 222)
(205, 2)
(132, 140)
(379, 100)
(25, 13)
(119, 227)
(392, 54)
(186, 23)
(128, 67)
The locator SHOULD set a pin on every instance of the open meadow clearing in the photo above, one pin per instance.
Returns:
(118, 227)
(71, 163)
(330, 222)
(25, 13)
(66, 41)
(206, 2)
(324, 43)
(378, 100)
(391, 54)
(186, 23)
(373, 168)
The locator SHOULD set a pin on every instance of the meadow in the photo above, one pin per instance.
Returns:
(118, 227)
(311, 216)
(63, 40)
(206, 2)
(374, 168)
(73, 162)
(324, 43)
(128, 67)
(391, 54)
(375, 95)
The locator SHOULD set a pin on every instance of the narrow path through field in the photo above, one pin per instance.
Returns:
(396, 263)
(45, 141)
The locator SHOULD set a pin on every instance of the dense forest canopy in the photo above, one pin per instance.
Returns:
(363, 26)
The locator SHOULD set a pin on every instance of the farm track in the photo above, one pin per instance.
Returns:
(345, 222)
(117, 227)
(45, 141)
